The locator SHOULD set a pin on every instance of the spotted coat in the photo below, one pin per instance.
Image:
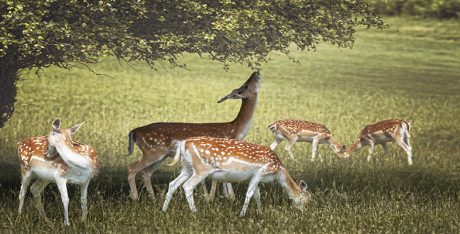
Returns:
(216, 152)
(38, 147)
(293, 126)
(388, 127)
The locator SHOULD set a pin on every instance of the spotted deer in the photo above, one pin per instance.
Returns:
(234, 161)
(154, 140)
(59, 159)
(380, 133)
(303, 131)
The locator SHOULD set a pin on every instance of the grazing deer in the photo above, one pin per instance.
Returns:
(303, 131)
(57, 159)
(234, 161)
(391, 130)
(154, 140)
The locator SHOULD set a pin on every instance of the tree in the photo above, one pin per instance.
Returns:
(68, 33)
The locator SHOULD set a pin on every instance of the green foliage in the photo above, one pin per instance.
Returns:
(408, 71)
(425, 8)
(52, 32)
(61, 32)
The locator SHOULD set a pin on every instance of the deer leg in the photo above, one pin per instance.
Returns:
(37, 189)
(25, 181)
(230, 193)
(205, 190)
(227, 190)
(253, 184)
(147, 159)
(190, 185)
(371, 150)
(314, 148)
(224, 190)
(406, 147)
(385, 148)
(84, 200)
(174, 185)
(212, 193)
(257, 198)
(147, 176)
(62, 186)
(289, 145)
(409, 151)
(275, 143)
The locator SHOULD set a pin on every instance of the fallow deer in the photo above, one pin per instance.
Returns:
(154, 140)
(57, 159)
(234, 161)
(380, 133)
(303, 131)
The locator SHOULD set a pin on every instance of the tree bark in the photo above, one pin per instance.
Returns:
(8, 78)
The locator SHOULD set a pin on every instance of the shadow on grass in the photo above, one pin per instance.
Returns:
(111, 183)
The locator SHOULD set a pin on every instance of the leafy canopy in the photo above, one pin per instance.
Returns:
(69, 32)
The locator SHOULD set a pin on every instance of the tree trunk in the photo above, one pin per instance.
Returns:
(8, 78)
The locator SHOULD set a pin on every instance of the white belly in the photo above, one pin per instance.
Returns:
(45, 170)
(379, 139)
(239, 176)
(232, 176)
(305, 139)
(46, 173)
(78, 177)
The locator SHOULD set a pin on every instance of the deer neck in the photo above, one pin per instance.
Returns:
(336, 146)
(356, 146)
(72, 158)
(293, 190)
(243, 121)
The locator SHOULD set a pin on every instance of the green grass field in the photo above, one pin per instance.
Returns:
(409, 71)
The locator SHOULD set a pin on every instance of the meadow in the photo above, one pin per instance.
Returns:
(410, 71)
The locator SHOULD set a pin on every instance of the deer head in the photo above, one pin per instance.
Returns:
(304, 196)
(249, 89)
(58, 135)
(341, 152)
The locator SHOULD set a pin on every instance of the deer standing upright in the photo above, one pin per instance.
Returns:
(234, 161)
(155, 140)
(382, 132)
(57, 159)
(303, 131)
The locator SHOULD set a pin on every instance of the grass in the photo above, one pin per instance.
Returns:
(409, 71)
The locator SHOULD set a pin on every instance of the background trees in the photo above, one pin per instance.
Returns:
(38, 34)
(442, 9)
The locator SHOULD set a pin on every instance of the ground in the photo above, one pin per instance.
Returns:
(409, 71)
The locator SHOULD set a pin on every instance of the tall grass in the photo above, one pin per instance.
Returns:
(410, 71)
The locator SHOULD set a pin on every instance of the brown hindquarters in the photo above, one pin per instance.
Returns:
(386, 126)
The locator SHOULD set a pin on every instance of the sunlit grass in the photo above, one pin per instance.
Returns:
(410, 71)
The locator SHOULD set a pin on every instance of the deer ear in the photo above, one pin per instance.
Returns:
(75, 128)
(223, 99)
(303, 186)
(56, 124)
